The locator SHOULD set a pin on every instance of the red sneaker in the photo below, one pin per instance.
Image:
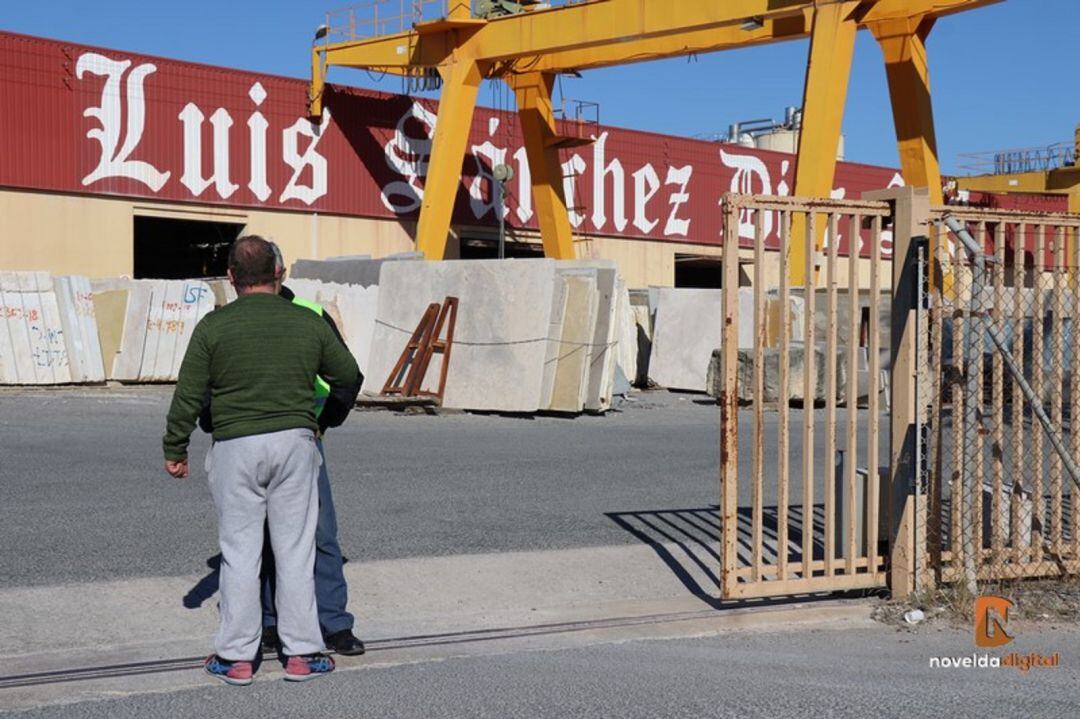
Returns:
(235, 673)
(309, 666)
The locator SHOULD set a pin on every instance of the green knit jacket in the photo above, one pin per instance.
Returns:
(259, 357)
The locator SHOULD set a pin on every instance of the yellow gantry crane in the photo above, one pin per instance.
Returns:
(528, 44)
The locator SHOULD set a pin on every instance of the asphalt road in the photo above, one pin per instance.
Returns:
(83, 496)
(872, 672)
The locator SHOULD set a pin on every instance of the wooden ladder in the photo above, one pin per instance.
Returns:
(425, 341)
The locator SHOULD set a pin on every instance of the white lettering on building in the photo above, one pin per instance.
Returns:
(571, 169)
(114, 160)
(408, 156)
(192, 118)
(309, 158)
(678, 176)
(486, 156)
(748, 167)
(600, 174)
(524, 178)
(257, 127)
(646, 184)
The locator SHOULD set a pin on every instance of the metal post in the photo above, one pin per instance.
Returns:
(973, 349)
(500, 207)
(907, 503)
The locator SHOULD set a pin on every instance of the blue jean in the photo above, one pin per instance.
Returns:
(331, 592)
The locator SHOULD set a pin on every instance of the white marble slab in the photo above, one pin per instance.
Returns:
(501, 338)
(579, 326)
(688, 327)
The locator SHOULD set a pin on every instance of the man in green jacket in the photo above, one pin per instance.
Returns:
(259, 357)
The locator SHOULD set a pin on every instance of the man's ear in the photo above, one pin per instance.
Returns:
(229, 274)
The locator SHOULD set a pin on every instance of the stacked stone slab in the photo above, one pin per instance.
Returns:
(352, 307)
(627, 348)
(643, 316)
(362, 271)
(159, 317)
(531, 335)
(501, 335)
(75, 300)
(559, 298)
(47, 330)
(688, 327)
(603, 354)
(575, 339)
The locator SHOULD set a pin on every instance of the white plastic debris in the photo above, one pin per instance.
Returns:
(914, 616)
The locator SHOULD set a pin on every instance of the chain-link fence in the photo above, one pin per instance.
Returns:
(1001, 450)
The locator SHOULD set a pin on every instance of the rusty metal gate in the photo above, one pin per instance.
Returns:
(801, 493)
(1003, 364)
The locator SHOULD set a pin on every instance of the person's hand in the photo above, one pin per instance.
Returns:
(178, 469)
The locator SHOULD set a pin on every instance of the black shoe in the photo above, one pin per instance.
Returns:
(345, 642)
(271, 642)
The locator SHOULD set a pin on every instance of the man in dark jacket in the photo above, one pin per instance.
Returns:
(332, 407)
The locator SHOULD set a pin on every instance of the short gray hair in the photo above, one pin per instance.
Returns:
(279, 260)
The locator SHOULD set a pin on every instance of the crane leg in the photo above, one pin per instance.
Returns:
(533, 93)
(318, 83)
(461, 82)
(832, 44)
(903, 44)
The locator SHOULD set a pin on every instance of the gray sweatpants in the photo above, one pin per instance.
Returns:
(266, 477)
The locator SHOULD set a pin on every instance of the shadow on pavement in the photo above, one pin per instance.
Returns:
(688, 541)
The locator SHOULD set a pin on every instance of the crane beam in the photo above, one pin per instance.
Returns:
(527, 49)
(570, 37)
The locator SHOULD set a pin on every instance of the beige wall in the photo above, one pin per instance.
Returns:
(94, 236)
(68, 234)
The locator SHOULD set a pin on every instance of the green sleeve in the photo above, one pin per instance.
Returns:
(191, 386)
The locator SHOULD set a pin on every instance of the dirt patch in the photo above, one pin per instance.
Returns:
(1042, 601)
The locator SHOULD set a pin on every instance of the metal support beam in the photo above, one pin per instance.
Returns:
(832, 44)
(461, 82)
(907, 506)
(318, 83)
(533, 93)
(903, 43)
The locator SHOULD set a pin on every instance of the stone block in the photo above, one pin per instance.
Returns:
(796, 374)
(352, 307)
(603, 353)
(32, 347)
(362, 271)
(75, 300)
(554, 340)
(501, 339)
(110, 308)
(578, 329)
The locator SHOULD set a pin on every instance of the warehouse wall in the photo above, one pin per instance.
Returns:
(94, 236)
(68, 234)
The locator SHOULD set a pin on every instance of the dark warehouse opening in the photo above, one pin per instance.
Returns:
(171, 249)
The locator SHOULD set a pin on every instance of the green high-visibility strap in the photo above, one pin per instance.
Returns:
(322, 388)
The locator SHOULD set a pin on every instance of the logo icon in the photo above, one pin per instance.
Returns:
(992, 621)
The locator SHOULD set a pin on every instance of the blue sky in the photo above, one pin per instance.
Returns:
(1003, 76)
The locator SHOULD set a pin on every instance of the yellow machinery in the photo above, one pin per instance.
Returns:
(1052, 170)
(527, 44)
